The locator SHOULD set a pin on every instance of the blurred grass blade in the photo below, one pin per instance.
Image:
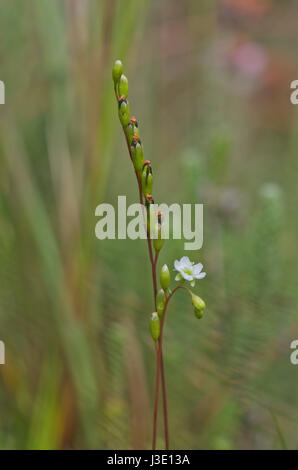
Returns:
(279, 432)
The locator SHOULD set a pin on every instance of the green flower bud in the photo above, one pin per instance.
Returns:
(160, 301)
(197, 302)
(123, 111)
(151, 217)
(154, 325)
(151, 212)
(147, 178)
(159, 241)
(165, 277)
(123, 86)
(198, 313)
(137, 154)
(117, 71)
(199, 305)
(132, 130)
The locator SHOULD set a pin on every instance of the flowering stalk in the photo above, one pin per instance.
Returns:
(186, 269)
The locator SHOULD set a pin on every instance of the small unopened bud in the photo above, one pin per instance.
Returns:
(129, 132)
(147, 178)
(165, 277)
(199, 305)
(159, 241)
(123, 111)
(117, 70)
(137, 154)
(160, 302)
(151, 213)
(123, 86)
(132, 129)
(154, 325)
(199, 313)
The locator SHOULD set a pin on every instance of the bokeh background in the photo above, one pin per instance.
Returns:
(210, 86)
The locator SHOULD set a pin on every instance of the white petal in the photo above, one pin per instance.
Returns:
(178, 277)
(200, 276)
(185, 261)
(177, 265)
(197, 268)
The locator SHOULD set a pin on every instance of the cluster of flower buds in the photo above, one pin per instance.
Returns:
(129, 125)
(187, 270)
(145, 175)
(143, 168)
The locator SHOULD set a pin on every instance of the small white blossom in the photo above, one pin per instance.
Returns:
(188, 270)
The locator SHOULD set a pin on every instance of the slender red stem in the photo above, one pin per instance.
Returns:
(156, 399)
(164, 398)
(154, 277)
(160, 368)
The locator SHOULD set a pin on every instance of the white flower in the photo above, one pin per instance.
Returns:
(188, 270)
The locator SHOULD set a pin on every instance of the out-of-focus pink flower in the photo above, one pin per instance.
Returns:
(249, 59)
(245, 9)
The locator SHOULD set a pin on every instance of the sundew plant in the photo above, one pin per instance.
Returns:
(186, 270)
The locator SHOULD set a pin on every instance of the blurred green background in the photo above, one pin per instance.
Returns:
(210, 86)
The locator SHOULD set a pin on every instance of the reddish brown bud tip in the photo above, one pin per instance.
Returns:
(136, 138)
(134, 121)
(147, 162)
